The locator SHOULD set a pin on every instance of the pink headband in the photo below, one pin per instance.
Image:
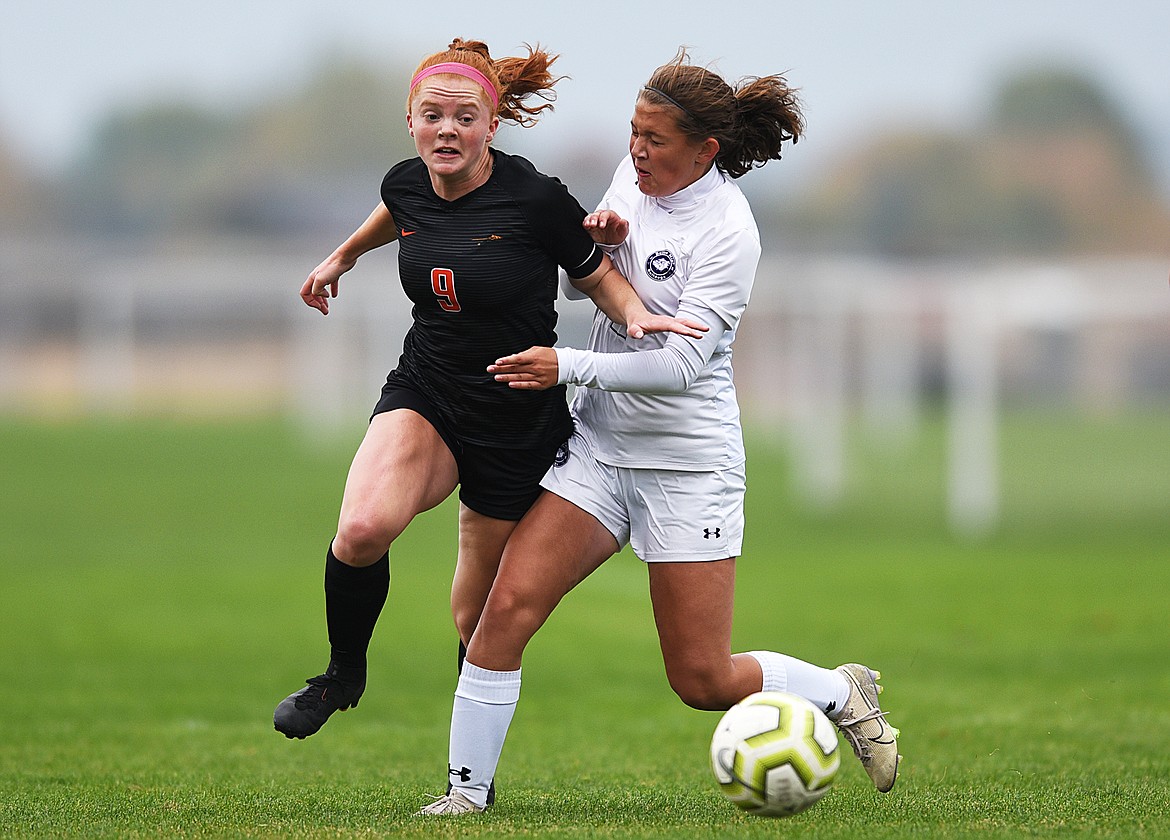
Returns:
(458, 69)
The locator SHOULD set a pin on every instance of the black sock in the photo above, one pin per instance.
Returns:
(354, 597)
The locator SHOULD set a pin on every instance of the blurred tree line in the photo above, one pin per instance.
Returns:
(281, 167)
(1053, 167)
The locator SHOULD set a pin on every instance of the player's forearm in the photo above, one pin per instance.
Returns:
(670, 370)
(612, 294)
(377, 230)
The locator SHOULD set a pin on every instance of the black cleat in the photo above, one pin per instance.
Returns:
(301, 714)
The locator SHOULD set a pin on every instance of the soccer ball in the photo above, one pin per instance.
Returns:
(774, 754)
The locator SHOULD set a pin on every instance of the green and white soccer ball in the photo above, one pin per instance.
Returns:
(774, 754)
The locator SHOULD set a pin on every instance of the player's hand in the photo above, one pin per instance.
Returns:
(322, 283)
(638, 326)
(534, 369)
(606, 227)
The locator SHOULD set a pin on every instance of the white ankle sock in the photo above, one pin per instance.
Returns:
(823, 687)
(484, 704)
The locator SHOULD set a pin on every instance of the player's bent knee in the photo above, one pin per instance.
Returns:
(514, 612)
(362, 540)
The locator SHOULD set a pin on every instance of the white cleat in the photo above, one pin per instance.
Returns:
(864, 726)
(453, 804)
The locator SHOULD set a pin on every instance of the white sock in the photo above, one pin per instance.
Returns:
(484, 704)
(823, 687)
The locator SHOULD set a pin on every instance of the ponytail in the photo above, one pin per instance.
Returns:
(751, 121)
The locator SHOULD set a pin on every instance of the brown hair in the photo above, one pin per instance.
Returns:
(751, 121)
(514, 78)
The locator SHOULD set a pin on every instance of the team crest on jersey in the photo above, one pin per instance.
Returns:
(562, 456)
(660, 265)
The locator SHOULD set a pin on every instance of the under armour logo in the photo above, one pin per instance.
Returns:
(463, 773)
(708, 533)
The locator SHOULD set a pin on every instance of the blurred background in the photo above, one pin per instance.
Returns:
(976, 224)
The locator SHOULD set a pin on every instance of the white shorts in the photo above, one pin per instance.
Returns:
(667, 516)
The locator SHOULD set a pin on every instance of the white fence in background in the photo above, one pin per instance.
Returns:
(829, 340)
(218, 327)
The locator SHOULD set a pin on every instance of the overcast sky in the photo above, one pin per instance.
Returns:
(64, 63)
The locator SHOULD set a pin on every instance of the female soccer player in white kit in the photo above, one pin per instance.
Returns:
(657, 458)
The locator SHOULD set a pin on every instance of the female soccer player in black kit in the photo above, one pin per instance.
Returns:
(481, 235)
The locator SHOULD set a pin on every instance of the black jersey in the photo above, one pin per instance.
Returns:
(481, 272)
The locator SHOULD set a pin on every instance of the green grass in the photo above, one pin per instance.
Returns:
(160, 586)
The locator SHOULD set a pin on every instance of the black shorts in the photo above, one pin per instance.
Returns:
(496, 482)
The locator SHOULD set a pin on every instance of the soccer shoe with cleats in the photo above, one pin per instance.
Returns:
(453, 804)
(304, 712)
(864, 726)
(491, 797)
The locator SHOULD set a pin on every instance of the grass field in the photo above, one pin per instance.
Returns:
(160, 585)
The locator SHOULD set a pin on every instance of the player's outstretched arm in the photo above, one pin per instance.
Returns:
(322, 283)
(614, 296)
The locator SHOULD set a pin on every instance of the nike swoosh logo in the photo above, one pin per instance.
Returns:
(406, 232)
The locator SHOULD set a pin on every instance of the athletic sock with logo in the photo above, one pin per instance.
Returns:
(484, 704)
(823, 687)
(354, 597)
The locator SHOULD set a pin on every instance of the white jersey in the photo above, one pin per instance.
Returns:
(691, 254)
